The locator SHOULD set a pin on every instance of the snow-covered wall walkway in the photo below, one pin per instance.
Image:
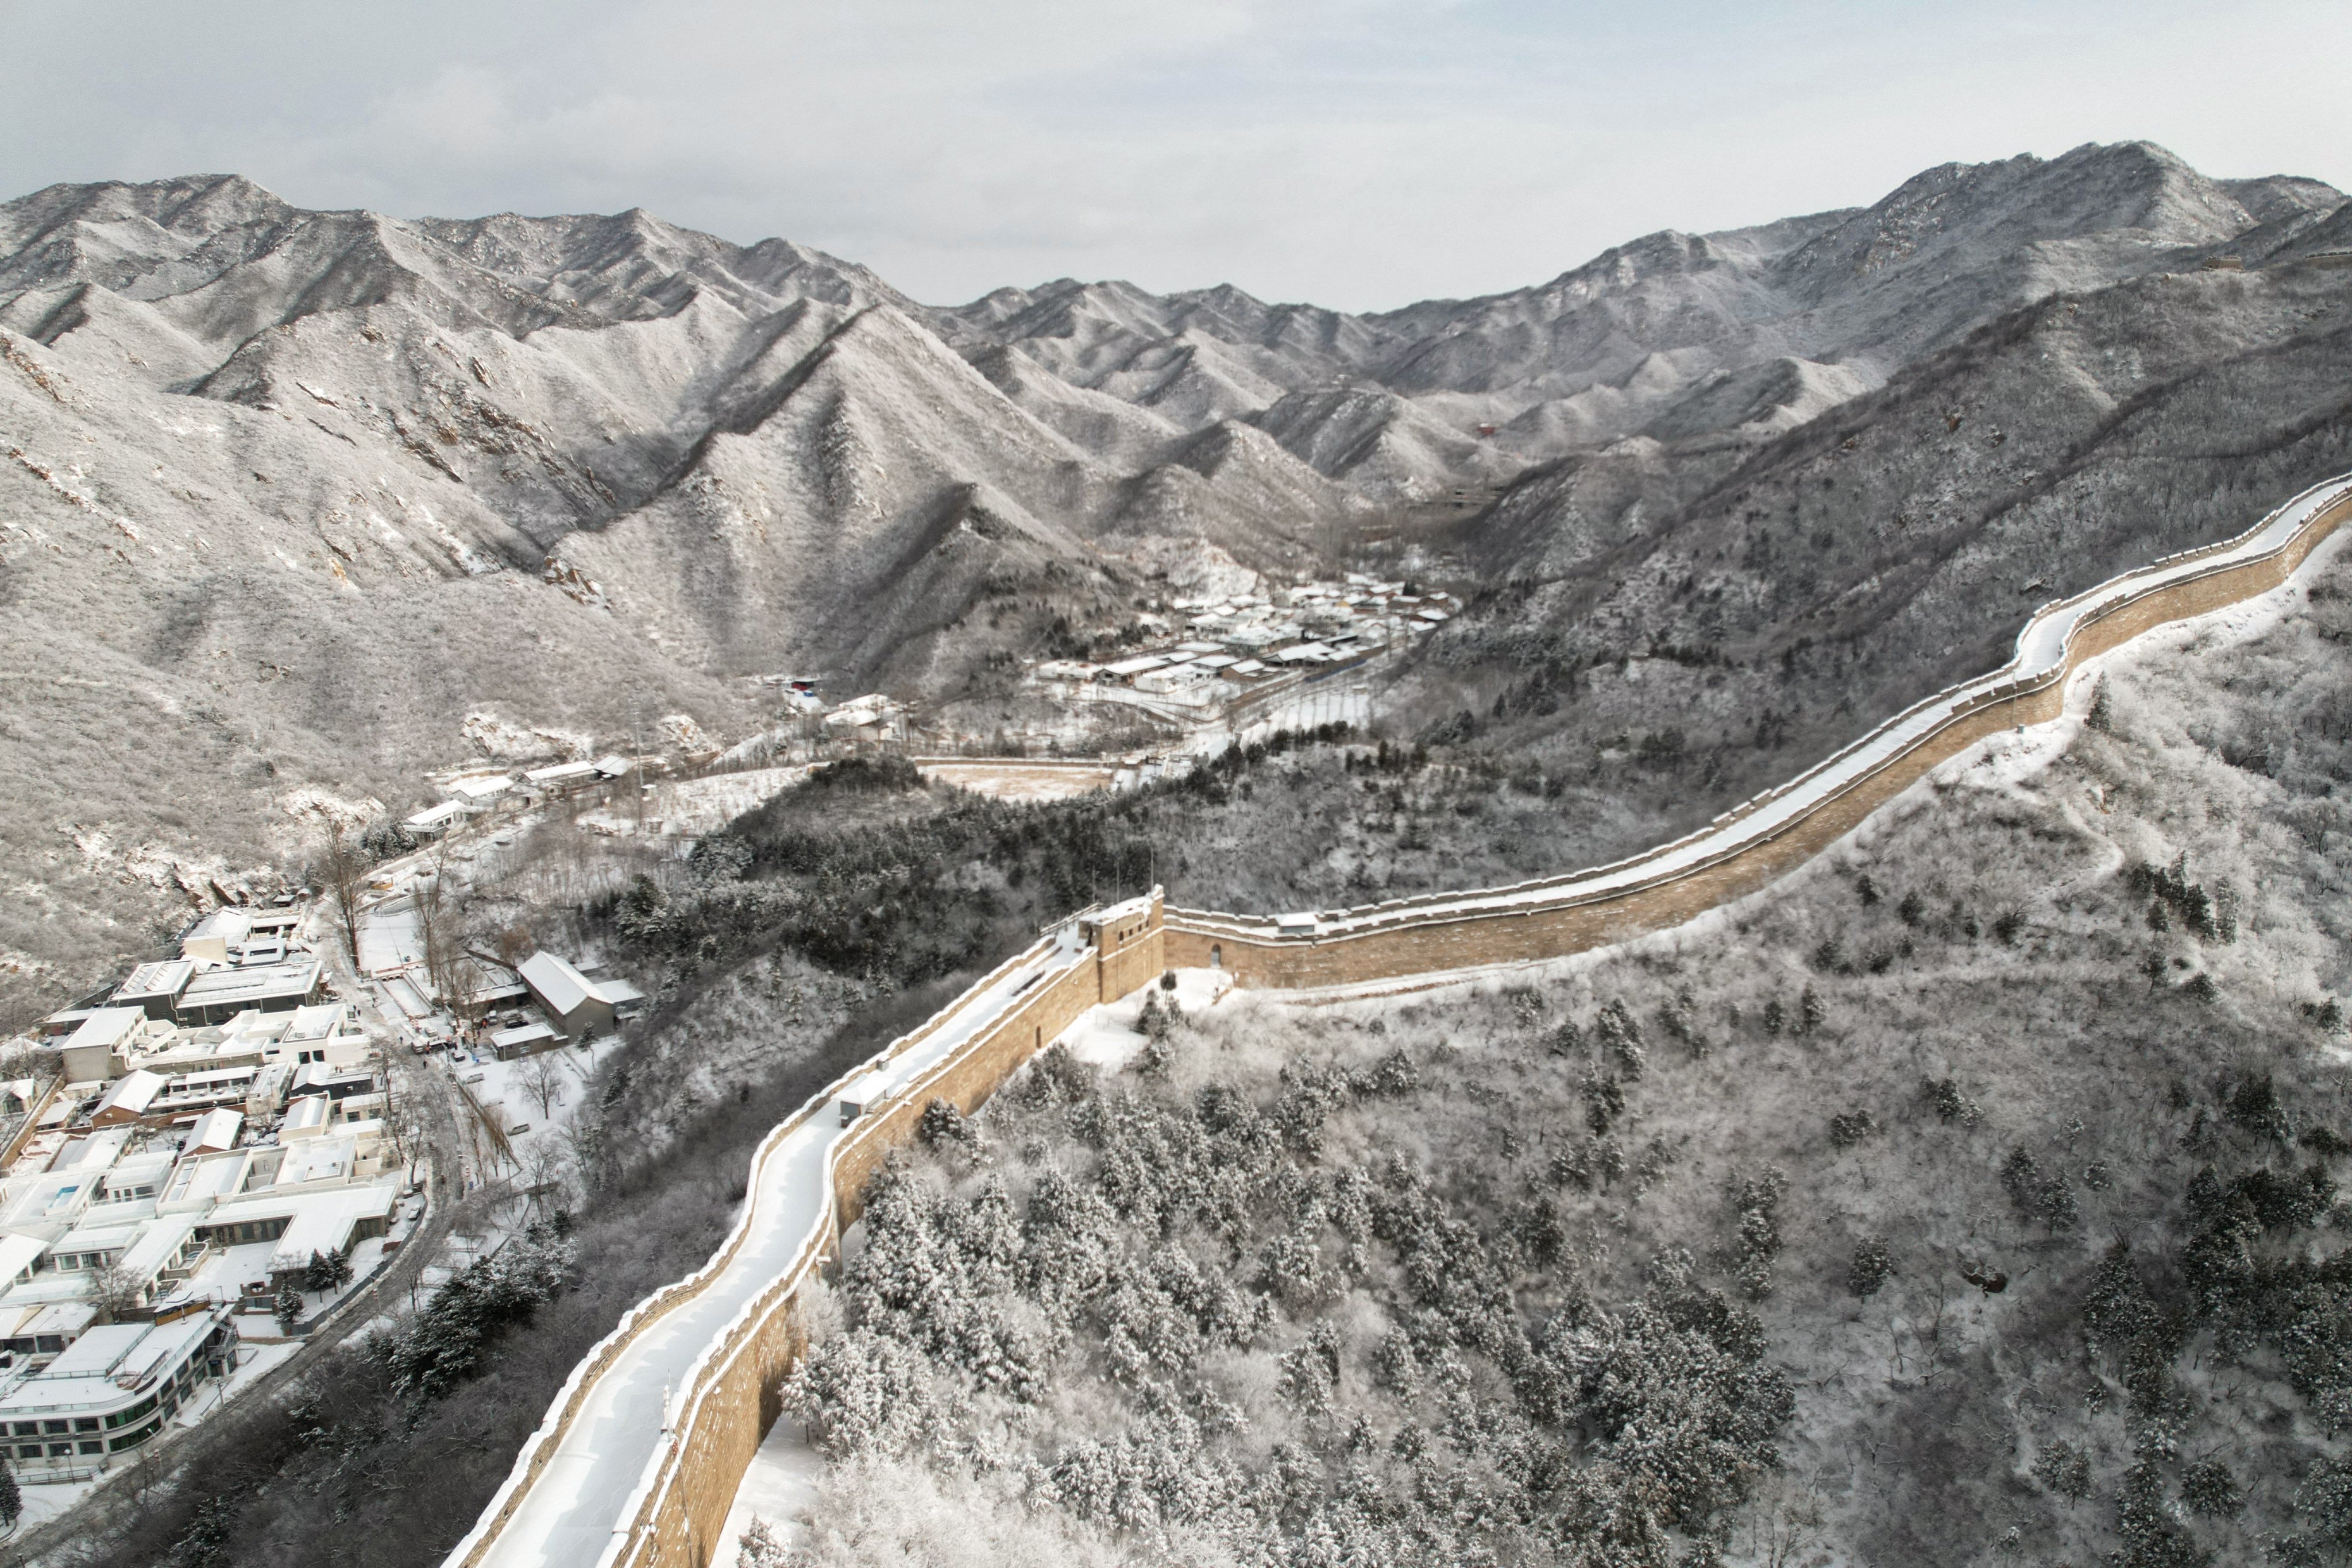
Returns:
(1757, 841)
(611, 1477)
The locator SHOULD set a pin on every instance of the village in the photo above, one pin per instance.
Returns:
(1209, 660)
(214, 1156)
(217, 1155)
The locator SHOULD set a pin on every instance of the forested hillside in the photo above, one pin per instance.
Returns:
(1972, 1196)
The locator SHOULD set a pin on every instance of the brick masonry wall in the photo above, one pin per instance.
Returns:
(1409, 945)
(686, 1510)
(679, 1523)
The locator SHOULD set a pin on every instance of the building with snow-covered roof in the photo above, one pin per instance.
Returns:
(479, 787)
(127, 1098)
(524, 1040)
(204, 1179)
(93, 1244)
(134, 1178)
(578, 1007)
(329, 1033)
(197, 1094)
(215, 1132)
(93, 1153)
(306, 1117)
(93, 1052)
(435, 820)
(31, 1330)
(110, 1390)
(154, 988)
(218, 995)
(18, 1254)
(215, 937)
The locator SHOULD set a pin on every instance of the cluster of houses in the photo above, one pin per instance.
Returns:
(187, 1148)
(472, 793)
(1226, 648)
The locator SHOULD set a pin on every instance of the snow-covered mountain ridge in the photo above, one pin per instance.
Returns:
(289, 495)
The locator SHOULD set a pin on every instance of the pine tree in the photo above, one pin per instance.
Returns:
(287, 1309)
(12, 1501)
(317, 1274)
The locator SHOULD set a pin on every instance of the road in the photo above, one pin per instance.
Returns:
(577, 1509)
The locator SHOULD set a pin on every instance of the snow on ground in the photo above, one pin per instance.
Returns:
(45, 1501)
(1309, 707)
(693, 806)
(389, 939)
(1106, 1036)
(1011, 780)
(782, 1482)
(511, 1087)
(783, 1478)
(253, 1362)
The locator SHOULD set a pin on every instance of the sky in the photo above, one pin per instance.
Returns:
(1358, 154)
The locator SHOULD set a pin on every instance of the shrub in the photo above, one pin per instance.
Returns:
(1850, 1128)
(2210, 1491)
(1873, 1265)
(2036, 1195)
(443, 1345)
(1950, 1105)
(2062, 1470)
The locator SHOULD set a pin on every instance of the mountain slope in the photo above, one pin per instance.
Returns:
(327, 485)
(1749, 614)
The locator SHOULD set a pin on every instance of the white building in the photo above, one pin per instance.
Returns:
(110, 1390)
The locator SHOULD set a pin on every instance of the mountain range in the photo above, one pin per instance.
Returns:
(298, 505)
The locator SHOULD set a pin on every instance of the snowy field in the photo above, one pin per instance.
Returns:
(696, 807)
(1012, 780)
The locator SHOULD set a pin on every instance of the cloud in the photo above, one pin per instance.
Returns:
(1361, 153)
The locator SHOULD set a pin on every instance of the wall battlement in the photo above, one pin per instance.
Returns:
(674, 1517)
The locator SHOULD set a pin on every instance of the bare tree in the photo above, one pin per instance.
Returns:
(343, 875)
(400, 1117)
(585, 1137)
(546, 1163)
(115, 1290)
(543, 1078)
(439, 931)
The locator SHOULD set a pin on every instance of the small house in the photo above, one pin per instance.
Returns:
(127, 1098)
(580, 1008)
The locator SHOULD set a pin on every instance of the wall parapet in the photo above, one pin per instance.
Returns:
(673, 1514)
(2062, 634)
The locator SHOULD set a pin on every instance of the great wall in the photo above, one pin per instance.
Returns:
(641, 1453)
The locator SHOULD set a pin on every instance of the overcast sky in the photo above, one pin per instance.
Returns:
(1356, 153)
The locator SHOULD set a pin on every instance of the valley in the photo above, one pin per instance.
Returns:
(1913, 1142)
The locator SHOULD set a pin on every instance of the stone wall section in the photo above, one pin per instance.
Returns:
(1405, 943)
(721, 1420)
(722, 1426)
